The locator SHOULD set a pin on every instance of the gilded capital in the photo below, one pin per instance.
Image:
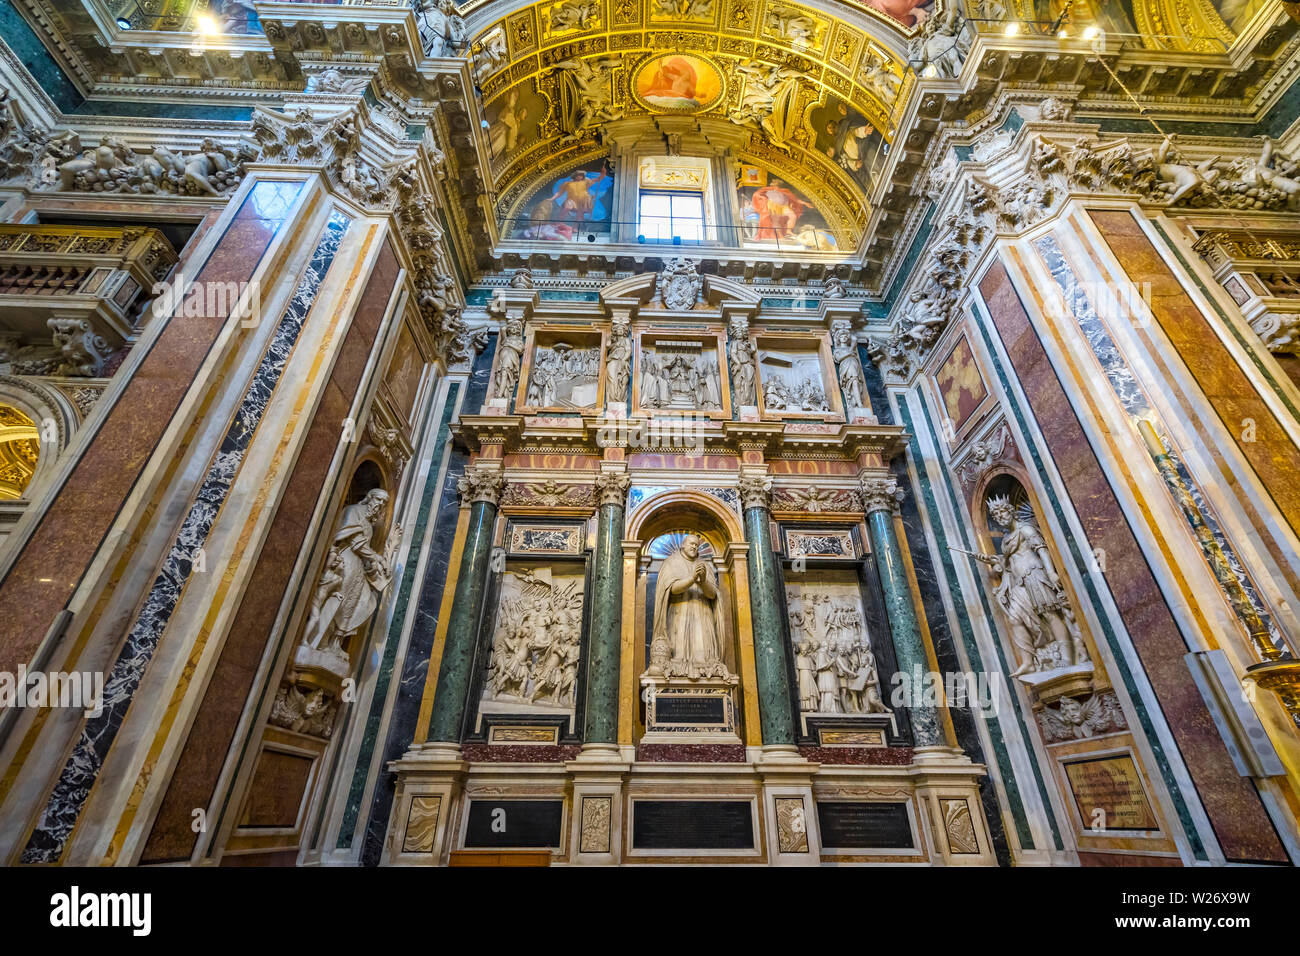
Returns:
(611, 487)
(879, 493)
(756, 491)
(480, 485)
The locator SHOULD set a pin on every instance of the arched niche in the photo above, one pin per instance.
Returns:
(1010, 481)
(679, 512)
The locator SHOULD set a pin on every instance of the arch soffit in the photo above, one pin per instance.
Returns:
(670, 510)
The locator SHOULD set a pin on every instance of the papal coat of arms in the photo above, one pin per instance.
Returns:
(679, 284)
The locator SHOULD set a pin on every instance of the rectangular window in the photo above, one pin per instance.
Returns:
(665, 216)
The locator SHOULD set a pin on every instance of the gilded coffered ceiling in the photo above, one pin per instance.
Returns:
(816, 99)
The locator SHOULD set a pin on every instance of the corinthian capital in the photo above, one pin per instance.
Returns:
(611, 487)
(479, 484)
(756, 491)
(879, 494)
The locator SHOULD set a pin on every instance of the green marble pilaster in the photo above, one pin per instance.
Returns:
(600, 722)
(771, 644)
(450, 698)
(904, 627)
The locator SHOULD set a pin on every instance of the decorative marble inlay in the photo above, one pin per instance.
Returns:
(422, 824)
(545, 539)
(822, 543)
(958, 825)
(596, 812)
(791, 825)
(69, 795)
(1218, 551)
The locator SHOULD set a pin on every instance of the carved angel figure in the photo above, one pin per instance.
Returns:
(1073, 719)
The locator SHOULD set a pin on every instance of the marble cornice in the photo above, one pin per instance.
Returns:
(591, 435)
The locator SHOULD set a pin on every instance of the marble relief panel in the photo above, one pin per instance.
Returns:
(533, 662)
(562, 371)
(835, 665)
(795, 378)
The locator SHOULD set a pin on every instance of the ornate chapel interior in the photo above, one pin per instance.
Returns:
(595, 432)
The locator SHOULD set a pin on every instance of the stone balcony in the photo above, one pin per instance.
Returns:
(70, 296)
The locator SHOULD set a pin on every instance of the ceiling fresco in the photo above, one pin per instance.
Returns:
(819, 98)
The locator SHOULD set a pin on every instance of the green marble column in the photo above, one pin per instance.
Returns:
(771, 642)
(458, 653)
(600, 722)
(909, 650)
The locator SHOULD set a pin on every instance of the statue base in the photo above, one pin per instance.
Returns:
(679, 710)
(1072, 681)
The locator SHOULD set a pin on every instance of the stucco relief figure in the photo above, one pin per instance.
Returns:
(510, 361)
(618, 363)
(1043, 626)
(852, 381)
(688, 615)
(354, 577)
(834, 664)
(740, 355)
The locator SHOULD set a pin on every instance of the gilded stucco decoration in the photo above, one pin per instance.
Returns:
(819, 96)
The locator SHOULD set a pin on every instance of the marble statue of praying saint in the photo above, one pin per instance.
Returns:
(688, 614)
(354, 577)
(1043, 626)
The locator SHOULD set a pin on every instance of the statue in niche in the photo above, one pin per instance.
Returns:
(688, 617)
(1043, 626)
(845, 351)
(834, 663)
(537, 643)
(740, 355)
(508, 365)
(618, 363)
(348, 591)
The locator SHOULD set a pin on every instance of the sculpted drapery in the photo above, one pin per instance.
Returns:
(688, 614)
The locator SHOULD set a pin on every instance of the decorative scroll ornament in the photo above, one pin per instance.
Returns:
(75, 351)
(755, 491)
(834, 287)
(984, 453)
(880, 493)
(611, 487)
(479, 484)
(933, 302)
(679, 284)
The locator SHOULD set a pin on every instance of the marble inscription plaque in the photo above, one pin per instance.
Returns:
(864, 826)
(514, 823)
(692, 825)
(1108, 792)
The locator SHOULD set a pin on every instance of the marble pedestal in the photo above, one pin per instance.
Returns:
(679, 710)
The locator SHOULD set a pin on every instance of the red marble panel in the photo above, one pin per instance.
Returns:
(210, 738)
(54, 559)
(860, 756)
(1240, 821)
(1271, 453)
(520, 753)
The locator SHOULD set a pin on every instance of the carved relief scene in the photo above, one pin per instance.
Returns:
(533, 658)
